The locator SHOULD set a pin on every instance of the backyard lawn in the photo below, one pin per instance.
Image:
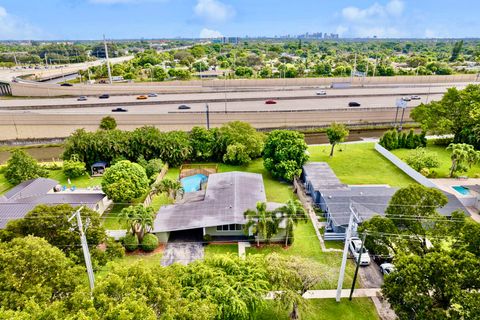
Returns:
(444, 158)
(80, 182)
(360, 164)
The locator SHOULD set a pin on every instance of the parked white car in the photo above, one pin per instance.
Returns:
(355, 245)
(321, 93)
(387, 268)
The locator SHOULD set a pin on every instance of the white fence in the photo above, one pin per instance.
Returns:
(404, 167)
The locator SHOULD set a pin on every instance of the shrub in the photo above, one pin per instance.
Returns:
(108, 123)
(130, 242)
(392, 140)
(73, 169)
(425, 172)
(153, 168)
(125, 181)
(236, 154)
(420, 159)
(207, 238)
(21, 167)
(149, 242)
(114, 249)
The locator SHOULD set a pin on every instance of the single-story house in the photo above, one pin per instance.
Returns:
(335, 198)
(220, 214)
(20, 200)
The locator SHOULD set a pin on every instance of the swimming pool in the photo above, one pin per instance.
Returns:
(462, 190)
(193, 183)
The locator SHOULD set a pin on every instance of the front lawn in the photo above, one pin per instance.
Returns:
(213, 249)
(444, 158)
(360, 163)
(306, 245)
(326, 309)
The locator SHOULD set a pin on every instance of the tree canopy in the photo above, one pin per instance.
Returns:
(125, 181)
(21, 167)
(285, 154)
(336, 133)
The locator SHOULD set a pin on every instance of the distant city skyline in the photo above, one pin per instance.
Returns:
(154, 19)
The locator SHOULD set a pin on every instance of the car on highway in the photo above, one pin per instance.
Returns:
(66, 84)
(119, 110)
(183, 107)
(321, 93)
(142, 98)
(152, 95)
(270, 102)
(82, 98)
(355, 245)
(415, 97)
(104, 96)
(353, 104)
(387, 268)
(406, 98)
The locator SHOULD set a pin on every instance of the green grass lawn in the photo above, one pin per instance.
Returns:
(326, 309)
(159, 201)
(111, 220)
(4, 184)
(213, 249)
(307, 245)
(360, 164)
(444, 158)
(80, 182)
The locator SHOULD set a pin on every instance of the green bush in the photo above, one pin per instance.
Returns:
(21, 167)
(73, 169)
(392, 140)
(149, 242)
(114, 249)
(153, 168)
(420, 159)
(130, 242)
(108, 123)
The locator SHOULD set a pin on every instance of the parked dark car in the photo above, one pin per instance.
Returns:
(382, 259)
(66, 84)
(270, 102)
(119, 110)
(183, 107)
(104, 96)
(353, 104)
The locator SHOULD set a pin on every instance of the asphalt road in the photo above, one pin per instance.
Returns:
(303, 94)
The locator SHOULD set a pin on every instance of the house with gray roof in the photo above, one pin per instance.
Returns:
(220, 213)
(21, 199)
(335, 198)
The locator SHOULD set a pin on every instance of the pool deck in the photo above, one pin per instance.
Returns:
(447, 184)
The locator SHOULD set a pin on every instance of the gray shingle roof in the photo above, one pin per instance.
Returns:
(366, 200)
(227, 197)
(20, 200)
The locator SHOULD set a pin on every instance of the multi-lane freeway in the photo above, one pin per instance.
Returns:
(296, 107)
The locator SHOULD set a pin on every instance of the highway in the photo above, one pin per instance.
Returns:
(388, 94)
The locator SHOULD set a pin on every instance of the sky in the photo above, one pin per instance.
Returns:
(135, 19)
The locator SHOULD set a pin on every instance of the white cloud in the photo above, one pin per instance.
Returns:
(209, 34)
(214, 10)
(12, 27)
(381, 20)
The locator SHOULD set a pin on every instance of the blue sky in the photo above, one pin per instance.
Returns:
(89, 19)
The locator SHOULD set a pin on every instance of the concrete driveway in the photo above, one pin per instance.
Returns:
(183, 253)
(370, 276)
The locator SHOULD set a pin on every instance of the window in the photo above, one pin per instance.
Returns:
(238, 227)
(225, 227)
(219, 228)
(230, 227)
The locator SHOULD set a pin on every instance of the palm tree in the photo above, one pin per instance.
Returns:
(138, 219)
(463, 157)
(292, 212)
(170, 186)
(264, 223)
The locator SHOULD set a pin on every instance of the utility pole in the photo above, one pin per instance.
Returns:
(354, 70)
(46, 61)
(225, 91)
(86, 252)
(345, 253)
(108, 62)
(358, 265)
(208, 116)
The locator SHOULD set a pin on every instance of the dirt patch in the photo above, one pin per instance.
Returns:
(42, 153)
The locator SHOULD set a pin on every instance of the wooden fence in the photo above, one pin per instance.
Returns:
(187, 170)
(148, 199)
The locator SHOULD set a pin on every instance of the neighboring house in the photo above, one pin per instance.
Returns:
(475, 190)
(335, 199)
(220, 214)
(20, 200)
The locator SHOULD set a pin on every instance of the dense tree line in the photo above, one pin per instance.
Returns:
(437, 259)
(393, 139)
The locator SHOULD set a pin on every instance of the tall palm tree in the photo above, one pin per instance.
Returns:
(138, 219)
(291, 212)
(264, 223)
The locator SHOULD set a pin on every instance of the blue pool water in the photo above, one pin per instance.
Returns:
(193, 183)
(461, 190)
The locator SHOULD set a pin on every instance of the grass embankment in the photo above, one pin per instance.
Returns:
(443, 154)
(360, 164)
